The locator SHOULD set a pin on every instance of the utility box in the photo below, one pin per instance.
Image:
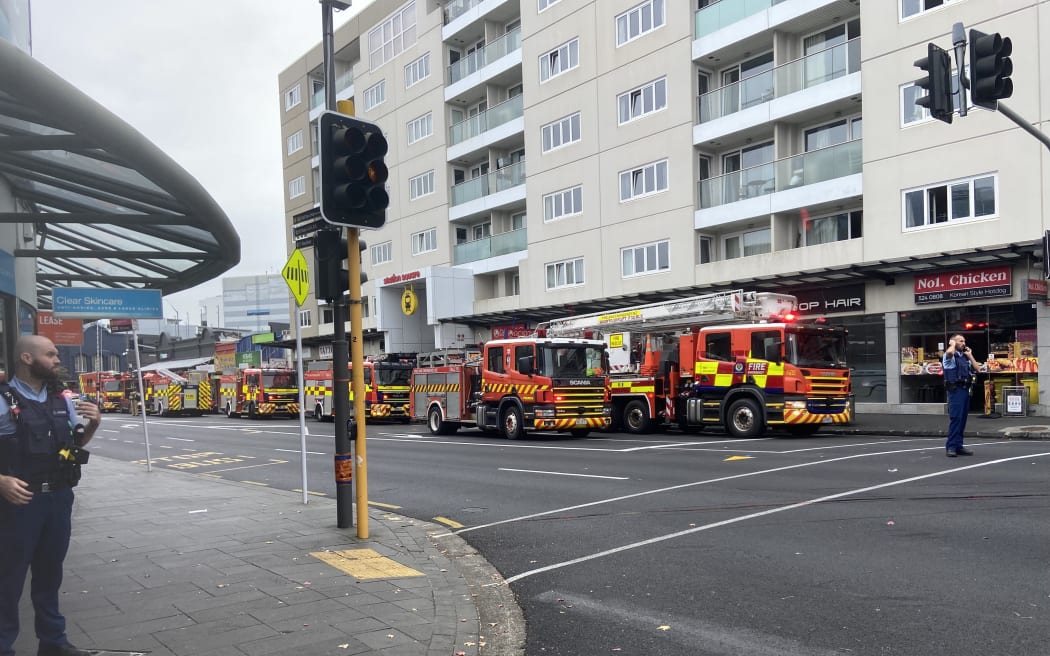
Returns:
(1015, 401)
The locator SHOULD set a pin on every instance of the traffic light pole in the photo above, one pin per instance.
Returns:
(344, 497)
(357, 375)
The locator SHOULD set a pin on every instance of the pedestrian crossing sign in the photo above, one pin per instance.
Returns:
(297, 275)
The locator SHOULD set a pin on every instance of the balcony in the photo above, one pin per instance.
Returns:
(343, 82)
(806, 73)
(501, 126)
(497, 115)
(808, 179)
(494, 246)
(457, 8)
(726, 29)
(499, 180)
(469, 16)
(497, 63)
(714, 17)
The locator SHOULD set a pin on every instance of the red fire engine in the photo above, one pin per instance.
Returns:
(515, 385)
(259, 393)
(387, 380)
(112, 389)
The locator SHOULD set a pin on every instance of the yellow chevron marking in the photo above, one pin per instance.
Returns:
(732, 458)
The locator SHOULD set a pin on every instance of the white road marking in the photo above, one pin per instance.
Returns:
(554, 473)
(763, 513)
(682, 486)
(180, 439)
(265, 464)
(672, 445)
(109, 430)
(312, 453)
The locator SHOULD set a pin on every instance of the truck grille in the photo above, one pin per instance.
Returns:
(579, 401)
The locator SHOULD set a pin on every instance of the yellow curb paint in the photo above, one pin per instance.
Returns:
(365, 564)
(383, 505)
(448, 522)
(316, 494)
(731, 458)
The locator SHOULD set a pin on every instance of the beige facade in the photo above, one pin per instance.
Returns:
(602, 153)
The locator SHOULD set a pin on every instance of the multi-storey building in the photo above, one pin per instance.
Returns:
(557, 156)
(253, 303)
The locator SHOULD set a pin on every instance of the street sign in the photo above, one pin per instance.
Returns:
(94, 303)
(297, 275)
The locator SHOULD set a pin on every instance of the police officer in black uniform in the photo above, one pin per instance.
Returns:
(41, 435)
(960, 368)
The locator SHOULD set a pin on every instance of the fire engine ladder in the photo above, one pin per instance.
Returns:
(172, 375)
(706, 309)
(447, 357)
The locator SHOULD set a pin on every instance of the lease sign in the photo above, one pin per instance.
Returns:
(986, 282)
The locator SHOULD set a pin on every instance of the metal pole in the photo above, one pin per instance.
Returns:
(98, 365)
(142, 399)
(302, 401)
(1023, 124)
(344, 498)
(357, 372)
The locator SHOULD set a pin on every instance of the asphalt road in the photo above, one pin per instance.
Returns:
(698, 544)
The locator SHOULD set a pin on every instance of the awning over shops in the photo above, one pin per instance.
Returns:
(99, 204)
(178, 365)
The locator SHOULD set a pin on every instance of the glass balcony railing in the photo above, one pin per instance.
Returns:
(480, 249)
(481, 58)
(343, 81)
(507, 110)
(456, 8)
(499, 180)
(810, 71)
(726, 12)
(799, 170)
(317, 99)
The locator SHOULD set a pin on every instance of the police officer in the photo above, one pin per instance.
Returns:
(37, 473)
(960, 367)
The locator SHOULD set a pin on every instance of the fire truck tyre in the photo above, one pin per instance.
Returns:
(803, 430)
(636, 417)
(318, 413)
(744, 419)
(511, 422)
(435, 423)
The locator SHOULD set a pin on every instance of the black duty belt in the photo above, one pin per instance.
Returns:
(48, 486)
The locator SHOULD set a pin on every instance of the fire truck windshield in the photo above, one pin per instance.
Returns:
(571, 360)
(393, 376)
(816, 347)
(283, 379)
(112, 386)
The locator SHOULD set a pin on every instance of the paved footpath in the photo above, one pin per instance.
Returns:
(175, 564)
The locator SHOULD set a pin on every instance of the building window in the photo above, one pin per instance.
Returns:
(751, 242)
(305, 320)
(421, 185)
(837, 227)
(563, 58)
(640, 20)
(543, 4)
(295, 142)
(646, 258)
(391, 37)
(424, 242)
(375, 95)
(568, 273)
(297, 187)
(952, 201)
(327, 315)
(292, 97)
(561, 204)
(912, 113)
(705, 249)
(562, 132)
(641, 101)
(382, 253)
(417, 71)
(643, 181)
(420, 128)
(911, 8)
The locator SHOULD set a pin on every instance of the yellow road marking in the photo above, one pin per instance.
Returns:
(731, 458)
(316, 494)
(384, 505)
(365, 564)
(448, 522)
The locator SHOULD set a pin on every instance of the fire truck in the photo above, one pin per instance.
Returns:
(515, 385)
(112, 393)
(167, 393)
(255, 393)
(387, 380)
(736, 359)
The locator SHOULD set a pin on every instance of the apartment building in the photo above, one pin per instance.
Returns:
(549, 157)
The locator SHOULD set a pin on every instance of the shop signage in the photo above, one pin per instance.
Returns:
(249, 358)
(1037, 289)
(64, 332)
(121, 325)
(93, 303)
(401, 277)
(510, 331)
(849, 298)
(987, 282)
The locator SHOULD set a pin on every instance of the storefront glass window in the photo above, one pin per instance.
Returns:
(866, 356)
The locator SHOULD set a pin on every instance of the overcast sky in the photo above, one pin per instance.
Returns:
(199, 79)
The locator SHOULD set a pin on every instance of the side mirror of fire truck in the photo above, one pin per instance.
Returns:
(525, 365)
(773, 352)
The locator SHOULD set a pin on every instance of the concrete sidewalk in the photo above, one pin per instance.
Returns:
(168, 563)
(936, 425)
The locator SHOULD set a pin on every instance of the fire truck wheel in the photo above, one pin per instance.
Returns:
(636, 417)
(744, 419)
(318, 413)
(229, 410)
(511, 422)
(435, 423)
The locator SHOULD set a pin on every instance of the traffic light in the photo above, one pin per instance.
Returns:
(353, 173)
(937, 84)
(332, 277)
(990, 69)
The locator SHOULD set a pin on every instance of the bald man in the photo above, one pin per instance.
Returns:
(39, 428)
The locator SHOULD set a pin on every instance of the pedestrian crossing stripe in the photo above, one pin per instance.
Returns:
(365, 564)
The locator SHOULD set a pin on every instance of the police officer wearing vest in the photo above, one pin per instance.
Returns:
(960, 368)
(40, 456)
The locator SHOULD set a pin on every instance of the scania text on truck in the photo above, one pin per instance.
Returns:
(514, 386)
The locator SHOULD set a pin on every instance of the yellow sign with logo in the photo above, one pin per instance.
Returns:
(409, 302)
(297, 275)
(616, 340)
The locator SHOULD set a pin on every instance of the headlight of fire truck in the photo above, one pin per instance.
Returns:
(606, 411)
(796, 405)
(545, 412)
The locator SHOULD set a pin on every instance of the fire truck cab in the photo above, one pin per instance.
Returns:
(104, 387)
(513, 386)
(255, 392)
(387, 380)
